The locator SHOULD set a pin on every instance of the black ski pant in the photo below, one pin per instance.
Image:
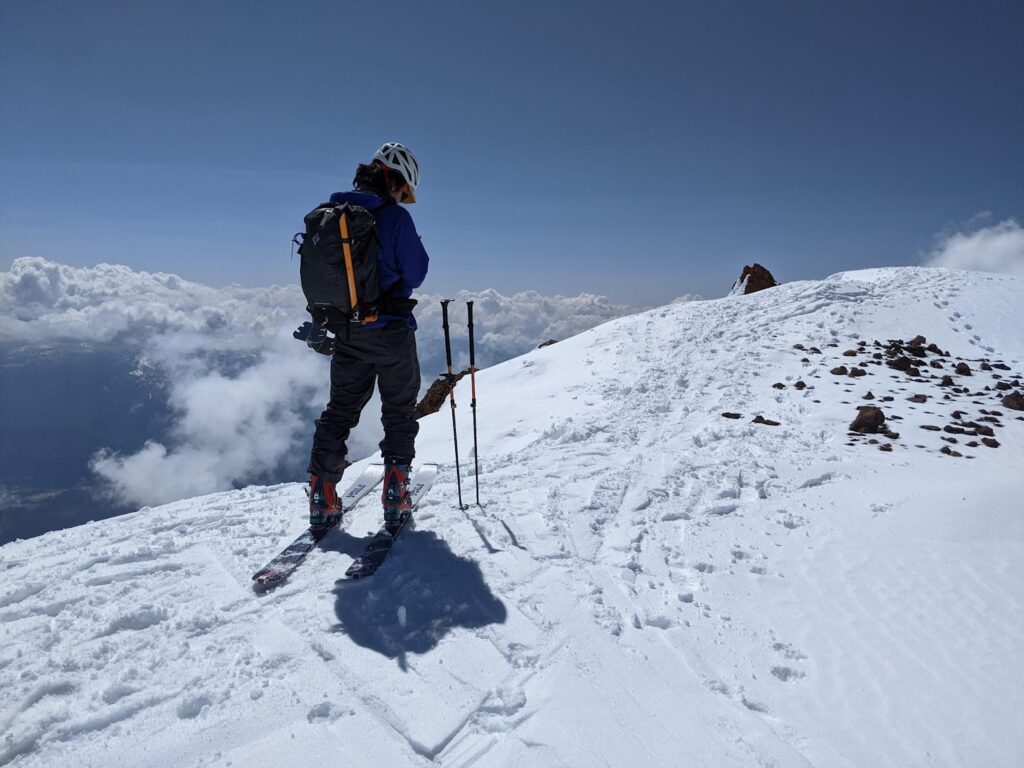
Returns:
(386, 356)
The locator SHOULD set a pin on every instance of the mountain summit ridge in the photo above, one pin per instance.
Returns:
(647, 580)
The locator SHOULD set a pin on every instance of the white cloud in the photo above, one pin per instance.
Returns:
(43, 301)
(227, 428)
(998, 248)
(686, 298)
(240, 388)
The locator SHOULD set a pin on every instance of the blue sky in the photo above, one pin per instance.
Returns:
(641, 151)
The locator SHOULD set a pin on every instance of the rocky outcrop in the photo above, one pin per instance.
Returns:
(753, 279)
(436, 395)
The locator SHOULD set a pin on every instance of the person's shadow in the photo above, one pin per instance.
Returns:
(420, 593)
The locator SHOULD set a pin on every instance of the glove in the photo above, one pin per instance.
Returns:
(316, 338)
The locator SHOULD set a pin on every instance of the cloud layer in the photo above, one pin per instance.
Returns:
(998, 248)
(242, 391)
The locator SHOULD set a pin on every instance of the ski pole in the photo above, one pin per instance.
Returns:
(451, 383)
(472, 404)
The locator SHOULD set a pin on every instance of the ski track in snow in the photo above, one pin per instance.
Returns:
(647, 582)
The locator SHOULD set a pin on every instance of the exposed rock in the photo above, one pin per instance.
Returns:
(935, 364)
(435, 397)
(887, 447)
(947, 381)
(950, 452)
(869, 396)
(800, 384)
(856, 372)
(869, 419)
(729, 415)
(985, 367)
(851, 353)
(1014, 401)
(930, 427)
(547, 343)
(1001, 366)
(778, 385)
(753, 279)
(798, 346)
(918, 399)
(901, 363)
(963, 369)
(918, 341)
(839, 371)
(759, 419)
(990, 442)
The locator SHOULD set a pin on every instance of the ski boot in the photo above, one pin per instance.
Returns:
(324, 504)
(395, 497)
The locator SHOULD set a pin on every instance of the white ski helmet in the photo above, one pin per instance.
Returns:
(398, 158)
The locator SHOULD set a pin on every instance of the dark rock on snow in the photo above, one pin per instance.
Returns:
(754, 279)
(869, 419)
(1014, 401)
(435, 397)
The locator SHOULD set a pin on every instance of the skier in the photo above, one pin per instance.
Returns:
(383, 351)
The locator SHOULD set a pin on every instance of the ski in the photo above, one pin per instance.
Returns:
(285, 563)
(380, 545)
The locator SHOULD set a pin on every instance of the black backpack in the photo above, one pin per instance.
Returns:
(339, 264)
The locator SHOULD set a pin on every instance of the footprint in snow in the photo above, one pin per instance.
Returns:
(785, 674)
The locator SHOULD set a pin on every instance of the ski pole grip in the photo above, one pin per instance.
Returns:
(472, 346)
(447, 336)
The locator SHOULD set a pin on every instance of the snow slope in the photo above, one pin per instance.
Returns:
(648, 582)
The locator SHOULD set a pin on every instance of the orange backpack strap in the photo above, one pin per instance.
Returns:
(346, 246)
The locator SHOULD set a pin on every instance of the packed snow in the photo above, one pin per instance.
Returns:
(647, 582)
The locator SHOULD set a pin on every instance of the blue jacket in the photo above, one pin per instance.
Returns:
(402, 255)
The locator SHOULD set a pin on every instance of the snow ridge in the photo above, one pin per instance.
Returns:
(646, 582)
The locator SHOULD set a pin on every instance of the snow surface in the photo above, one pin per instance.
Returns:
(648, 582)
